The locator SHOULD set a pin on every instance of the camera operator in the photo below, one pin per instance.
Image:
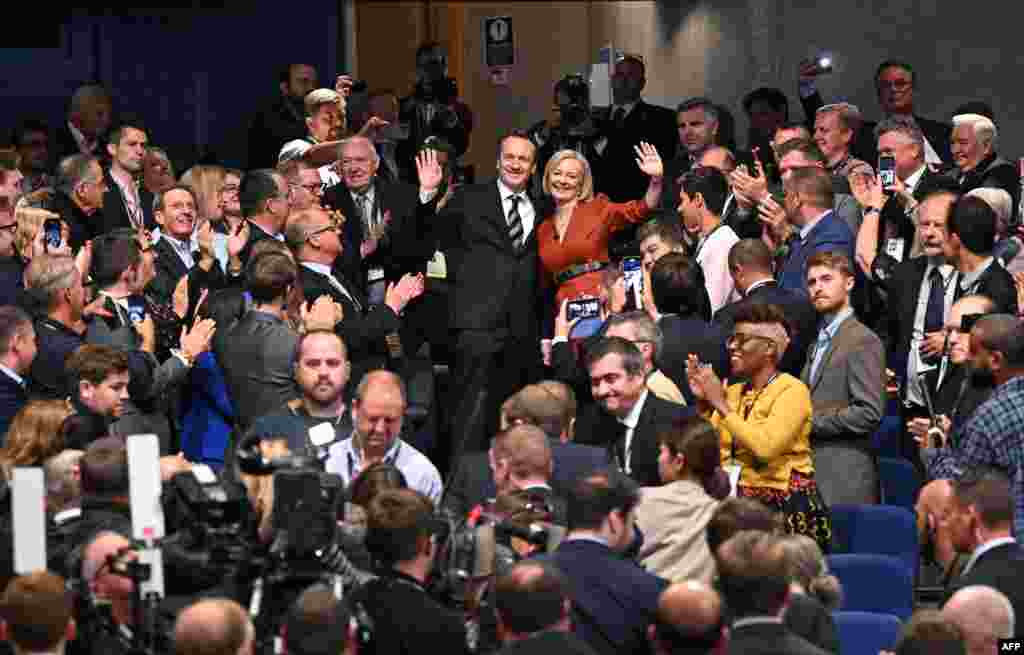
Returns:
(402, 535)
(570, 127)
(434, 108)
(319, 623)
(36, 613)
(216, 626)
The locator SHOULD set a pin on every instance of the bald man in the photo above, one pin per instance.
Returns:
(378, 410)
(689, 619)
(983, 615)
(933, 507)
(532, 608)
(214, 627)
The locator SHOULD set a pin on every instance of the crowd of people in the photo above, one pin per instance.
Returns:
(666, 354)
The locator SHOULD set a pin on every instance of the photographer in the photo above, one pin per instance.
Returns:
(570, 127)
(434, 108)
(402, 535)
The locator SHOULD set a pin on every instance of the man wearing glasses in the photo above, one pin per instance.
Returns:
(304, 186)
(894, 83)
(81, 187)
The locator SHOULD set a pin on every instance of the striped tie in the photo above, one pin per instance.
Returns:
(515, 223)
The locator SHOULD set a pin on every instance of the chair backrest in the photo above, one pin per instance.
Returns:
(844, 521)
(866, 633)
(874, 583)
(886, 530)
(886, 438)
(899, 480)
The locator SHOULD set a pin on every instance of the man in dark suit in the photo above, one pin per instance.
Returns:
(972, 235)
(316, 241)
(176, 216)
(808, 204)
(846, 375)
(613, 599)
(521, 460)
(631, 122)
(89, 115)
(488, 231)
(753, 576)
(978, 164)
(128, 203)
(981, 525)
(282, 118)
(263, 198)
(549, 405)
(697, 121)
(894, 81)
(81, 191)
(17, 350)
(626, 417)
(691, 619)
(532, 607)
(750, 264)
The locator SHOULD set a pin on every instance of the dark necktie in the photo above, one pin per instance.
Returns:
(619, 117)
(515, 223)
(933, 316)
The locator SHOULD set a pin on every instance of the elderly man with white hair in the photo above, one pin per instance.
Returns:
(975, 142)
(983, 615)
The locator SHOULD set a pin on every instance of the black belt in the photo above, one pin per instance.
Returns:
(577, 270)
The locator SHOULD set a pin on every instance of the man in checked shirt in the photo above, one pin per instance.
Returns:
(992, 436)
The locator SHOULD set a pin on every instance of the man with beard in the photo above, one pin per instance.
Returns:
(378, 410)
(320, 417)
(991, 437)
(325, 123)
(282, 119)
(127, 203)
(846, 375)
(957, 397)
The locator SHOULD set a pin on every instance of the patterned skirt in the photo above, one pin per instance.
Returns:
(801, 506)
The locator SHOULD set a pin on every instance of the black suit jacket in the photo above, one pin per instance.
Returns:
(683, 336)
(1001, 568)
(903, 287)
(115, 212)
(256, 357)
(169, 269)
(548, 642)
(13, 397)
(64, 145)
(597, 427)
(81, 226)
(495, 286)
(363, 328)
(798, 309)
(618, 176)
(256, 234)
(406, 246)
(996, 283)
(769, 639)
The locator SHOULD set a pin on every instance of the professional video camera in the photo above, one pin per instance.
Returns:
(572, 94)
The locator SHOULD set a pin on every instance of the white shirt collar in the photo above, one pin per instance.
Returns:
(914, 178)
(322, 269)
(587, 537)
(806, 229)
(835, 320)
(631, 419)
(758, 284)
(756, 620)
(506, 192)
(984, 548)
(11, 374)
(65, 514)
(627, 106)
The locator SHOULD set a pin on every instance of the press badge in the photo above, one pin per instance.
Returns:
(375, 275)
(733, 471)
(894, 248)
(437, 267)
(322, 434)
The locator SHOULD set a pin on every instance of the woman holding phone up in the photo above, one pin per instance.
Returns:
(573, 240)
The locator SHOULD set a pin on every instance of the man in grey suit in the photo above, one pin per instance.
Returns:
(845, 372)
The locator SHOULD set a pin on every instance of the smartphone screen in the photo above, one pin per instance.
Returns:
(583, 308)
(52, 233)
(136, 309)
(887, 170)
(633, 276)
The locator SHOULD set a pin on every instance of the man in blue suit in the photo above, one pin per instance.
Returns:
(816, 226)
(17, 350)
(614, 600)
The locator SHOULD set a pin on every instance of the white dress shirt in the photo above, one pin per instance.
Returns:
(526, 212)
(325, 270)
(713, 257)
(984, 548)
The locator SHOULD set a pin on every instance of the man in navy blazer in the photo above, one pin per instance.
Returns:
(808, 206)
(17, 350)
(614, 600)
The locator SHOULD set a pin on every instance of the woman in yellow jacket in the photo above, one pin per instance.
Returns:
(765, 423)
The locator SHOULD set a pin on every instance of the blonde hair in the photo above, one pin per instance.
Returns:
(319, 97)
(34, 435)
(30, 220)
(586, 191)
(205, 181)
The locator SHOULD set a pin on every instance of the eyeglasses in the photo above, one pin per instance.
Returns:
(333, 227)
(229, 190)
(740, 339)
(315, 189)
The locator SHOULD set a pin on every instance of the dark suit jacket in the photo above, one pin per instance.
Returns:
(363, 329)
(13, 397)
(997, 284)
(64, 145)
(599, 428)
(256, 357)
(903, 287)
(115, 212)
(997, 173)
(495, 287)
(618, 175)
(169, 269)
(830, 233)
(473, 482)
(81, 226)
(548, 642)
(613, 599)
(406, 246)
(800, 312)
(256, 234)
(1001, 568)
(769, 639)
(276, 123)
(683, 336)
